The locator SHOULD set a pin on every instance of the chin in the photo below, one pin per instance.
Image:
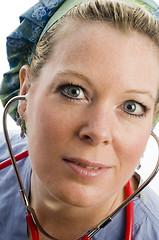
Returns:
(79, 198)
(79, 203)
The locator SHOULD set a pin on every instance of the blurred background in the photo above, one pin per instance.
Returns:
(9, 20)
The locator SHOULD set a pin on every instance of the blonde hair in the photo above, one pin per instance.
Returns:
(121, 15)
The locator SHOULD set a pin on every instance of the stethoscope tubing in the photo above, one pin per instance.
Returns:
(22, 190)
(30, 211)
(32, 226)
(129, 213)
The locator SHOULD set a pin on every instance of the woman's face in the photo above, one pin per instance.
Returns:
(90, 112)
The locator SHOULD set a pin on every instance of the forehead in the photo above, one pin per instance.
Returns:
(100, 40)
(93, 33)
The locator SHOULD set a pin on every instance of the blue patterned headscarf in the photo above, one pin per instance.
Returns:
(22, 42)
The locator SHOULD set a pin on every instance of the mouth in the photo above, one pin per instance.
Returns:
(85, 169)
(85, 166)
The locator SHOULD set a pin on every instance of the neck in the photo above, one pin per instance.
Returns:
(64, 221)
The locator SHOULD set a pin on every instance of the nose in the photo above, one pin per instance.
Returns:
(97, 128)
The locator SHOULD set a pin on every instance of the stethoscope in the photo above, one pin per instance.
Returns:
(31, 217)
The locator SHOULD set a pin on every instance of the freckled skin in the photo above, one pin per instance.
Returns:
(95, 128)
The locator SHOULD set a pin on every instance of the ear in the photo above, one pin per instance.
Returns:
(24, 76)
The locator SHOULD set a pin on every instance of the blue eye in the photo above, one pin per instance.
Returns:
(134, 108)
(73, 91)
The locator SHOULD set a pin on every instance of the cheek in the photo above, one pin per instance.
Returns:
(128, 149)
(132, 148)
(52, 127)
(50, 133)
(46, 127)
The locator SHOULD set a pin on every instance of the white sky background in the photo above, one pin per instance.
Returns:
(9, 20)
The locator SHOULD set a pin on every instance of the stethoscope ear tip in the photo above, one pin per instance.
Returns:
(26, 96)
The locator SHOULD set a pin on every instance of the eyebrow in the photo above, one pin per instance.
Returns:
(83, 77)
(141, 92)
(76, 74)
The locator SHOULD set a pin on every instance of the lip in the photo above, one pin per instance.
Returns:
(81, 171)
